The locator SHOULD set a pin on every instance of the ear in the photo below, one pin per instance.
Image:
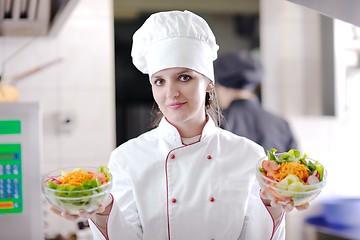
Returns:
(210, 87)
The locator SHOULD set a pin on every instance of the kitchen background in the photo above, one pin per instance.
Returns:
(89, 106)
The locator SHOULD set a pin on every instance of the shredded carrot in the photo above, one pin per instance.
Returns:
(76, 178)
(295, 168)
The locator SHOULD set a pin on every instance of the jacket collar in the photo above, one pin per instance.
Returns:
(170, 132)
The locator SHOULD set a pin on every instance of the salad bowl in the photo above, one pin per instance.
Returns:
(290, 178)
(75, 190)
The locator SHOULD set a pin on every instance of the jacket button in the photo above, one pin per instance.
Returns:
(209, 157)
(172, 156)
(173, 200)
(212, 199)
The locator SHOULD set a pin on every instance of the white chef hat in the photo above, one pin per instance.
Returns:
(174, 39)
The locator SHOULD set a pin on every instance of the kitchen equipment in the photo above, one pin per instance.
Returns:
(342, 211)
(20, 196)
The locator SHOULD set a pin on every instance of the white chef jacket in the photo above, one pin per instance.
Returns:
(164, 189)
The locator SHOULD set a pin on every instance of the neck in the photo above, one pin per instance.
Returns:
(237, 94)
(190, 129)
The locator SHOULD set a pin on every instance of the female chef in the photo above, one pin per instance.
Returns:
(187, 178)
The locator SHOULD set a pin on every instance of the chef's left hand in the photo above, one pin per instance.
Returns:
(82, 215)
(103, 209)
(285, 203)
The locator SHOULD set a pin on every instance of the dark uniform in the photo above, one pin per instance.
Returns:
(247, 118)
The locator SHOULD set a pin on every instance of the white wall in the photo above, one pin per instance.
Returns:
(81, 86)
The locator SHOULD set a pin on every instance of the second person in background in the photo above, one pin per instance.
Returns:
(237, 76)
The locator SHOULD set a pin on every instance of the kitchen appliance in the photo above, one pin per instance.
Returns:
(20, 192)
(34, 17)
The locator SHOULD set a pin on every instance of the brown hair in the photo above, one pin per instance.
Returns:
(212, 109)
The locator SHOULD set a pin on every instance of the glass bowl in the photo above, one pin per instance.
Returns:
(75, 200)
(295, 192)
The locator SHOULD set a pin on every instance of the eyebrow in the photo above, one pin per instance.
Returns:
(185, 71)
(155, 76)
(189, 71)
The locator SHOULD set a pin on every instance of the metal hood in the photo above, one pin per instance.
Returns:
(345, 10)
(33, 17)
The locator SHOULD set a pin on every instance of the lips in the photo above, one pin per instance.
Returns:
(176, 105)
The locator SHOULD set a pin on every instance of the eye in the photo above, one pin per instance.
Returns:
(185, 78)
(159, 82)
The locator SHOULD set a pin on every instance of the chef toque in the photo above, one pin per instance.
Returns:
(174, 39)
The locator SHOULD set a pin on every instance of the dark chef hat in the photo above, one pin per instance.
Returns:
(238, 70)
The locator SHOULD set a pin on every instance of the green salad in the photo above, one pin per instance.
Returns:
(291, 176)
(79, 189)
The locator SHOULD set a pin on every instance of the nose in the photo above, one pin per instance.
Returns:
(172, 90)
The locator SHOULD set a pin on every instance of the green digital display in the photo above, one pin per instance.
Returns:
(10, 126)
(11, 200)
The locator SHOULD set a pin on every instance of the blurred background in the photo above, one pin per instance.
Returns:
(67, 76)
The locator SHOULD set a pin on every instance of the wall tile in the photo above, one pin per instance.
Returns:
(85, 52)
(93, 121)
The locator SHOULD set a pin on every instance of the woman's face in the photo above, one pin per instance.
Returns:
(180, 95)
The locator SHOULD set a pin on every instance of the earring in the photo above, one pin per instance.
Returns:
(211, 96)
